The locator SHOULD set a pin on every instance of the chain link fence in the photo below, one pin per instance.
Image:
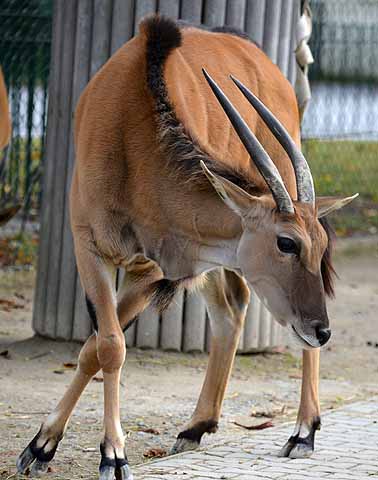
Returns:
(25, 57)
(340, 127)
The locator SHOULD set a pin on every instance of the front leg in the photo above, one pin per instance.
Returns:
(301, 443)
(227, 298)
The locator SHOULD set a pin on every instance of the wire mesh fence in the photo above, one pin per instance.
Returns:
(340, 128)
(24, 57)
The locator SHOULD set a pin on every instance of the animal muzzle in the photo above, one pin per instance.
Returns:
(323, 334)
(314, 336)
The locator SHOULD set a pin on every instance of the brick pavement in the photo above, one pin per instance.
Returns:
(346, 449)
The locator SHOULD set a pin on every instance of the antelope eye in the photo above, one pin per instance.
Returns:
(287, 245)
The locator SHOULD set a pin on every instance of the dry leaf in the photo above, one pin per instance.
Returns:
(8, 305)
(232, 395)
(98, 379)
(149, 430)
(155, 453)
(253, 423)
(270, 412)
(69, 365)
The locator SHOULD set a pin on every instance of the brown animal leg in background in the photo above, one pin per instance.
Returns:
(301, 443)
(227, 298)
(132, 300)
(5, 120)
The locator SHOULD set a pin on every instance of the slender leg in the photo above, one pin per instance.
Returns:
(133, 296)
(227, 298)
(113, 457)
(301, 443)
(43, 446)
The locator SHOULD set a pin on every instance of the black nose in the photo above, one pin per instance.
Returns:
(323, 335)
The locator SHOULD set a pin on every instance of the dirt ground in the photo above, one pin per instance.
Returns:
(160, 389)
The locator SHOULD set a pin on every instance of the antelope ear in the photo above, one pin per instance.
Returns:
(233, 196)
(326, 205)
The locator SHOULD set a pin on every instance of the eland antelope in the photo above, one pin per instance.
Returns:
(180, 180)
(6, 211)
(5, 123)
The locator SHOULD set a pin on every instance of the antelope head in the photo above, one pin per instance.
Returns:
(283, 250)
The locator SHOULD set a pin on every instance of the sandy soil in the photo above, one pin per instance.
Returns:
(160, 389)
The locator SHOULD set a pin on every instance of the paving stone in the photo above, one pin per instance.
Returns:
(345, 451)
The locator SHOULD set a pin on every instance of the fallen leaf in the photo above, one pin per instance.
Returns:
(59, 371)
(69, 365)
(98, 379)
(155, 453)
(232, 395)
(149, 430)
(8, 305)
(5, 354)
(253, 423)
(269, 412)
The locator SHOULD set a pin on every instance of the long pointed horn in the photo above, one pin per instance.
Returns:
(305, 183)
(260, 157)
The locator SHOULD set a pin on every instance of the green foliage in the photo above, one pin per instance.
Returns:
(23, 173)
(19, 250)
(343, 168)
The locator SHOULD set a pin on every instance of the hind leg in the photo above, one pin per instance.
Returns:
(227, 298)
(97, 280)
(133, 297)
(42, 448)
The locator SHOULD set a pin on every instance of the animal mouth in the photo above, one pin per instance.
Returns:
(303, 338)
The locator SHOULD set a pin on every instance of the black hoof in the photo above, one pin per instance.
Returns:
(183, 445)
(301, 447)
(41, 456)
(190, 439)
(114, 466)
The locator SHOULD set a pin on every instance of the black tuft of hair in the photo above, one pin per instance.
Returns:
(327, 269)
(163, 292)
(163, 35)
(182, 151)
(236, 32)
(92, 312)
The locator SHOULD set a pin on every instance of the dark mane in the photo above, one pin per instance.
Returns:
(229, 29)
(236, 32)
(184, 152)
(327, 269)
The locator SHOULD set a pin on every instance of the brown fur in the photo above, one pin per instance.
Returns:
(140, 201)
(142, 126)
(5, 122)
